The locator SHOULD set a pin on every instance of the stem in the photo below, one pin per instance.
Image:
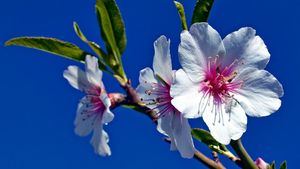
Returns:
(207, 161)
(133, 100)
(216, 158)
(204, 159)
(247, 161)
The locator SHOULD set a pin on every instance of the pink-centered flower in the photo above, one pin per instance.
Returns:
(223, 80)
(154, 91)
(93, 109)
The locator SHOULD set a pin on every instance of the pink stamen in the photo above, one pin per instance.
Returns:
(161, 99)
(218, 84)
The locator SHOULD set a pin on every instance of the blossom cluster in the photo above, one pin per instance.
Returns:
(221, 80)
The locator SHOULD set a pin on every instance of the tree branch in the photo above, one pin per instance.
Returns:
(204, 159)
(133, 101)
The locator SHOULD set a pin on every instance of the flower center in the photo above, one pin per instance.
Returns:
(218, 81)
(159, 98)
(217, 87)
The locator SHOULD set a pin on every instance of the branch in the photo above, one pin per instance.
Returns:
(133, 101)
(204, 159)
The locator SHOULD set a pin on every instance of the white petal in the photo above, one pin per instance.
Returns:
(77, 78)
(228, 124)
(84, 123)
(164, 125)
(93, 73)
(260, 92)
(196, 46)
(108, 116)
(162, 64)
(186, 95)
(146, 79)
(237, 119)
(100, 141)
(248, 48)
(182, 136)
(105, 99)
(147, 76)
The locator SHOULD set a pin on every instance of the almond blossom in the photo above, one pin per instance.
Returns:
(223, 80)
(93, 109)
(154, 90)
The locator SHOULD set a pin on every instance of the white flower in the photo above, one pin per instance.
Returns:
(93, 109)
(154, 90)
(223, 80)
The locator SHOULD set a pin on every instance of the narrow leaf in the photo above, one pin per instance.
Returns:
(205, 137)
(112, 26)
(283, 165)
(181, 13)
(94, 46)
(202, 10)
(51, 45)
(272, 165)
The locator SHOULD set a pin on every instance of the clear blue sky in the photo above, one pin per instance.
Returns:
(38, 106)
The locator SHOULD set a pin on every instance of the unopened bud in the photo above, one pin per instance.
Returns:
(261, 164)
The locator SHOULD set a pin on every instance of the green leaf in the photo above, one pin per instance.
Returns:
(283, 165)
(202, 10)
(51, 45)
(181, 13)
(272, 165)
(95, 47)
(112, 26)
(205, 137)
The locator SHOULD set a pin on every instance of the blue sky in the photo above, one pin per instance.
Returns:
(38, 106)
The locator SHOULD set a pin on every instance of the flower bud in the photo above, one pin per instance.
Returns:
(261, 164)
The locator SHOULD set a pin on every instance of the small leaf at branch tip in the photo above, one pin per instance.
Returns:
(204, 136)
(283, 165)
(181, 13)
(94, 46)
(272, 165)
(202, 10)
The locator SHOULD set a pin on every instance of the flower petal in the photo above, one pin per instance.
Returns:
(182, 136)
(164, 126)
(228, 124)
(146, 79)
(93, 73)
(260, 92)
(186, 95)
(100, 141)
(162, 64)
(246, 47)
(201, 42)
(108, 116)
(77, 78)
(147, 76)
(85, 119)
(145, 96)
(105, 99)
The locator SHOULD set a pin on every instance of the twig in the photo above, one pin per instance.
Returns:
(246, 160)
(216, 158)
(203, 159)
(132, 99)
